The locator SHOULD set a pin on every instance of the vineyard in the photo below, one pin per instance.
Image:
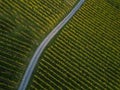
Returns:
(85, 55)
(23, 25)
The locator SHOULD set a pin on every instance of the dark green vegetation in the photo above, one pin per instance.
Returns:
(115, 3)
(86, 53)
(23, 25)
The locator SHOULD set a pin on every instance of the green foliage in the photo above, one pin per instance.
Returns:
(115, 3)
(23, 25)
(86, 53)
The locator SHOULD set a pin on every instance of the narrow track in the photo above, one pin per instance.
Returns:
(42, 46)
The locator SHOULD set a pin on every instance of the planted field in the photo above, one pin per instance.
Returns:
(23, 25)
(86, 53)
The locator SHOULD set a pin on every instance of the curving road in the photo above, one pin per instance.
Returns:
(41, 47)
